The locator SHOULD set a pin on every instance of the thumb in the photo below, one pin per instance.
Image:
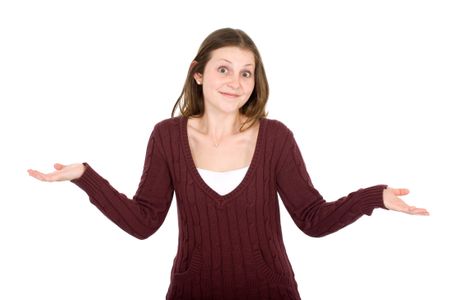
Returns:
(401, 192)
(58, 166)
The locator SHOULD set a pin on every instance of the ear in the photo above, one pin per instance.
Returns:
(198, 78)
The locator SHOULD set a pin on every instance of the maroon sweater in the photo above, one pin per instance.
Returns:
(230, 246)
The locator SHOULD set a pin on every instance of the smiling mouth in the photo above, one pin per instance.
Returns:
(229, 95)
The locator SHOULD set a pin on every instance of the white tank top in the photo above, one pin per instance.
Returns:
(223, 182)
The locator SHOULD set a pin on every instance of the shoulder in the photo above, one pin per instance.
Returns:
(168, 123)
(278, 134)
(167, 126)
(276, 127)
(164, 131)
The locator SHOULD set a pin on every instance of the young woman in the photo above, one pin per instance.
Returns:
(226, 162)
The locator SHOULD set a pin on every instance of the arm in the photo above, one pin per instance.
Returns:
(142, 215)
(310, 212)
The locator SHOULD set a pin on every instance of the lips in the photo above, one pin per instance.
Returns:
(230, 95)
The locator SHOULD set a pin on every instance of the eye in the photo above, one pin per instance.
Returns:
(247, 74)
(222, 70)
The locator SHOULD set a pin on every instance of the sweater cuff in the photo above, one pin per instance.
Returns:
(90, 181)
(372, 197)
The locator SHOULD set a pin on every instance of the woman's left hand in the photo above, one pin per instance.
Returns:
(393, 202)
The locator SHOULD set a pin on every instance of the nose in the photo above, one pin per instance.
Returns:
(234, 82)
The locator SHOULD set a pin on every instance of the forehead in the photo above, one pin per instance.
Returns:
(235, 55)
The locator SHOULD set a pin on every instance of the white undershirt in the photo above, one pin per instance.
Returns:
(223, 182)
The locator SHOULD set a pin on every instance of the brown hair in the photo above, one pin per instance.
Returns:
(191, 102)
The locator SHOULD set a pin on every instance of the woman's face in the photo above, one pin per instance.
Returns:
(228, 79)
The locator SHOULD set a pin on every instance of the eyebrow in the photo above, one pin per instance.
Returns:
(232, 63)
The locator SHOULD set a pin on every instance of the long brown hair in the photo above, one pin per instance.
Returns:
(191, 102)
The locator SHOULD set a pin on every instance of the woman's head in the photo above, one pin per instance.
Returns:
(244, 72)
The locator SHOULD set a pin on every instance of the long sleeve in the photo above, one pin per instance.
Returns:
(310, 212)
(145, 213)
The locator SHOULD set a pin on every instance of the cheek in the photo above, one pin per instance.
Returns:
(213, 81)
(249, 87)
(211, 86)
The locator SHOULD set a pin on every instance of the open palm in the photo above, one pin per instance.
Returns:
(393, 202)
(63, 172)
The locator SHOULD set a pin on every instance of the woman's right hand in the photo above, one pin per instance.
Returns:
(63, 172)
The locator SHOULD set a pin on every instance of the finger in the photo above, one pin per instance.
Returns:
(419, 211)
(401, 192)
(33, 173)
(40, 176)
(36, 174)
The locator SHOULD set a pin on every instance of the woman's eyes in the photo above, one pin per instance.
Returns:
(224, 70)
(247, 74)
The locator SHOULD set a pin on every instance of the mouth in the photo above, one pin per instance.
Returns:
(229, 95)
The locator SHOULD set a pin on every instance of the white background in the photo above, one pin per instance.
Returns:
(363, 85)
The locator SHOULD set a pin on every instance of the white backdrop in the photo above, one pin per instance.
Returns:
(361, 83)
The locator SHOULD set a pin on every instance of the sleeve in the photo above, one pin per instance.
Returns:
(142, 215)
(310, 212)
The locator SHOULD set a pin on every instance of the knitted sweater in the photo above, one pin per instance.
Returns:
(230, 246)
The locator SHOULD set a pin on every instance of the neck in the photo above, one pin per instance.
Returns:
(219, 127)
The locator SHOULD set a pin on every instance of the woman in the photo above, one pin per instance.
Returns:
(226, 163)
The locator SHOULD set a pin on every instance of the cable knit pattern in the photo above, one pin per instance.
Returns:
(230, 246)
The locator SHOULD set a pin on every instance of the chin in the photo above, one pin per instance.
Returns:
(230, 109)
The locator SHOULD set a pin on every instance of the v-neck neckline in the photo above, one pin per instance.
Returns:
(221, 200)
